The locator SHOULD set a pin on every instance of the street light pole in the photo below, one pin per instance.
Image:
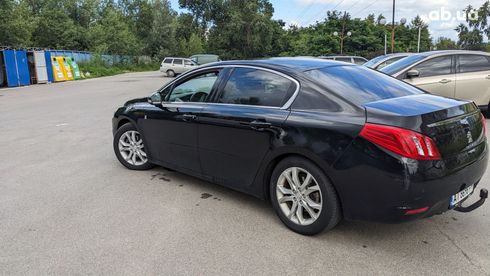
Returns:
(342, 35)
(393, 30)
(383, 23)
(418, 43)
(386, 44)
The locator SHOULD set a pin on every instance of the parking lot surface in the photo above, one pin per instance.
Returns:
(68, 207)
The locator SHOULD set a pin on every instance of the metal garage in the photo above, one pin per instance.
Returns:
(49, 65)
(15, 67)
(37, 67)
(3, 72)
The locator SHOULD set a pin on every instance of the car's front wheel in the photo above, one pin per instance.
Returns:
(130, 148)
(303, 197)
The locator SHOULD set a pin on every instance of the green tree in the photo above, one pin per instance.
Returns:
(16, 24)
(112, 35)
(469, 39)
(444, 43)
(161, 41)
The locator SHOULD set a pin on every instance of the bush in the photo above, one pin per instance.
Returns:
(98, 68)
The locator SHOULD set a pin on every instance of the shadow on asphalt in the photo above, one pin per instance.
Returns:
(360, 230)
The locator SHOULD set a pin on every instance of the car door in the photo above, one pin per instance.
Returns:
(170, 129)
(178, 65)
(437, 76)
(235, 132)
(188, 65)
(473, 79)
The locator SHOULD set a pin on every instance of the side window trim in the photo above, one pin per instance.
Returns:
(224, 81)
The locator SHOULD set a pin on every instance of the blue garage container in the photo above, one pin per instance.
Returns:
(49, 66)
(16, 68)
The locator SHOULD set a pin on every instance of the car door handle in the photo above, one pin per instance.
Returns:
(488, 77)
(189, 117)
(259, 125)
(445, 81)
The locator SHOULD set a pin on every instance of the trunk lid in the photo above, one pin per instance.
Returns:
(455, 126)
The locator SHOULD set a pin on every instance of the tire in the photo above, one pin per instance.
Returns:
(170, 73)
(324, 195)
(133, 156)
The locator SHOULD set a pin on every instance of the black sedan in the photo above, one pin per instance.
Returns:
(322, 140)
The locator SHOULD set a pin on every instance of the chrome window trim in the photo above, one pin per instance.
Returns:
(287, 105)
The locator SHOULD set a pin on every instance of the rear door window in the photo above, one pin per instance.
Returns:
(473, 63)
(359, 61)
(361, 85)
(178, 61)
(249, 86)
(435, 67)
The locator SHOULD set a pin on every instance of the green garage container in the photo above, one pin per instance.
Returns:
(74, 68)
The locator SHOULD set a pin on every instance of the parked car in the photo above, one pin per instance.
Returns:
(205, 59)
(172, 66)
(380, 62)
(323, 140)
(456, 74)
(348, 59)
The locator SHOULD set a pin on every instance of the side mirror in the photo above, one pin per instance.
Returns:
(155, 99)
(413, 74)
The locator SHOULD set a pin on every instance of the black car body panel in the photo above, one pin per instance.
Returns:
(238, 145)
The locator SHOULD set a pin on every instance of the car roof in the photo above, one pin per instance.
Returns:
(453, 52)
(286, 64)
(204, 55)
(176, 57)
(398, 54)
(336, 56)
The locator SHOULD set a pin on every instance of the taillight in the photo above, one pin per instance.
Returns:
(402, 141)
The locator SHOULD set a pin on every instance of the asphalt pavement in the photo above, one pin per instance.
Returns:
(68, 207)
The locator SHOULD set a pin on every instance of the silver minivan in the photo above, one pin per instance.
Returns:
(456, 74)
(172, 66)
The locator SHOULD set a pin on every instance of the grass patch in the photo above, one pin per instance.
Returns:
(100, 69)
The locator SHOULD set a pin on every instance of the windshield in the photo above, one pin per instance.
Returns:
(402, 64)
(373, 61)
(361, 85)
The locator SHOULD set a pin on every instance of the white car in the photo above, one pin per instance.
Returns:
(172, 66)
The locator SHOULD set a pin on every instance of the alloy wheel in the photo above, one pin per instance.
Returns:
(132, 149)
(299, 196)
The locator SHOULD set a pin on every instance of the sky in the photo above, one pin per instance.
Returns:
(442, 15)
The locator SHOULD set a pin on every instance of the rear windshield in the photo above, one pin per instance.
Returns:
(361, 85)
(373, 61)
(402, 64)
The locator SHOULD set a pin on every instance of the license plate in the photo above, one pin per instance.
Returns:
(457, 198)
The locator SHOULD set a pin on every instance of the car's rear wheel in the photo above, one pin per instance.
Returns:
(130, 148)
(170, 73)
(303, 197)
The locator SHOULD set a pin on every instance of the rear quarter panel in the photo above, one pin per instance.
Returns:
(474, 87)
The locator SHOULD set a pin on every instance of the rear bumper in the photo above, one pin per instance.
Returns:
(374, 185)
